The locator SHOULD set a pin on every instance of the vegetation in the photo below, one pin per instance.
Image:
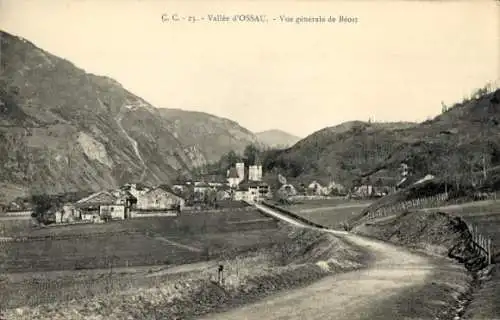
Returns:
(459, 146)
(44, 206)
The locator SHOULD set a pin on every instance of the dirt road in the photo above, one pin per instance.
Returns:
(352, 295)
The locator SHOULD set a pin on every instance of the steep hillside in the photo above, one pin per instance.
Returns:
(277, 138)
(212, 135)
(457, 145)
(63, 129)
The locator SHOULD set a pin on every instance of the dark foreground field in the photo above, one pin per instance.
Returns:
(135, 243)
(186, 291)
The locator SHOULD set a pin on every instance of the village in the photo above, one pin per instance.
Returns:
(243, 186)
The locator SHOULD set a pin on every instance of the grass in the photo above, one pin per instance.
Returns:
(485, 215)
(329, 213)
(142, 241)
(248, 277)
(134, 243)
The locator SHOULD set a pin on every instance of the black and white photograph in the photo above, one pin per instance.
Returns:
(249, 159)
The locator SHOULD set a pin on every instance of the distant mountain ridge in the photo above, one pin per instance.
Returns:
(63, 129)
(275, 138)
(213, 135)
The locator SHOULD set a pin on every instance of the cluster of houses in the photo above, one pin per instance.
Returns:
(133, 200)
(121, 204)
(247, 186)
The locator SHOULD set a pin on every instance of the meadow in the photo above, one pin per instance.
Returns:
(329, 213)
(485, 215)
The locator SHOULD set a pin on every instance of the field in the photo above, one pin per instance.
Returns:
(69, 252)
(483, 214)
(329, 213)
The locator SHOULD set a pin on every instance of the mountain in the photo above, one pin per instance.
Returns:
(214, 136)
(277, 138)
(63, 129)
(460, 145)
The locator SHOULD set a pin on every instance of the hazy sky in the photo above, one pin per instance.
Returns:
(397, 63)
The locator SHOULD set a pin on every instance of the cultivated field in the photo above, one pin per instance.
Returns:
(329, 213)
(122, 245)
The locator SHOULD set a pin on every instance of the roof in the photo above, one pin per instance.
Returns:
(166, 188)
(244, 185)
(407, 181)
(101, 197)
(137, 186)
(202, 185)
(233, 173)
(123, 194)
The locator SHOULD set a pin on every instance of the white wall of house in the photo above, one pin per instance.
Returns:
(241, 195)
(240, 168)
(233, 182)
(159, 199)
(116, 211)
(255, 173)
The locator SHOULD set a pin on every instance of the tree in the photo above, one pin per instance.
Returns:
(251, 154)
(44, 206)
(210, 198)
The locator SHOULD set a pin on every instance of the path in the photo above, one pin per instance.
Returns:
(345, 296)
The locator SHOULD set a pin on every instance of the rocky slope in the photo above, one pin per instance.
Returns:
(277, 138)
(62, 129)
(214, 136)
(452, 144)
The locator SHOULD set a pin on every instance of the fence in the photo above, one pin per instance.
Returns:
(481, 244)
(419, 203)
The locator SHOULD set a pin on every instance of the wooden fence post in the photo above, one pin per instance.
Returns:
(489, 251)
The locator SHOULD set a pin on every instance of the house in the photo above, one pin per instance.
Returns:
(201, 187)
(179, 188)
(232, 178)
(125, 197)
(102, 205)
(365, 190)
(316, 188)
(287, 190)
(255, 173)
(136, 189)
(223, 193)
(335, 188)
(252, 191)
(67, 214)
(161, 198)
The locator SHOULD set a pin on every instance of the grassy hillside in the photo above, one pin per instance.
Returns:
(456, 145)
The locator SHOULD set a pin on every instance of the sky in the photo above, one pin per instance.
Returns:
(397, 63)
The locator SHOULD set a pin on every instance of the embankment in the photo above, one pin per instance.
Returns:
(306, 256)
(435, 233)
(448, 237)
